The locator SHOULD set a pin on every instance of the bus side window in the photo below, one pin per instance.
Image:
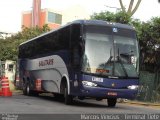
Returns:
(64, 37)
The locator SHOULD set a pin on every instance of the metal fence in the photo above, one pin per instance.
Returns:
(149, 90)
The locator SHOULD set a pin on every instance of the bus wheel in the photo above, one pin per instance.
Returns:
(26, 89)
(68, 98)
(112, 102)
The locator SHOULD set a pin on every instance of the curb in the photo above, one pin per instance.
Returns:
(143, 103)
(17, 92)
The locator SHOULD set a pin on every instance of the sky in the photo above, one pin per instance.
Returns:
(11, 10)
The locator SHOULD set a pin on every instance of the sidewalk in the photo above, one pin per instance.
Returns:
(17, 92)
(143, 103)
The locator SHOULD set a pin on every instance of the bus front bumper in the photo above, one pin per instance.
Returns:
(98, 92)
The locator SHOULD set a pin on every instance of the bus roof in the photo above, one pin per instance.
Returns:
(103, 23)
(86, 22)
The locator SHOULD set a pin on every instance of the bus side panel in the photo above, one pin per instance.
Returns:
(48, 69)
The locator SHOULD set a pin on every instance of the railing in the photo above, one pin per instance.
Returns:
(149, 90)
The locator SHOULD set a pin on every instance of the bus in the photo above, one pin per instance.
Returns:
(83, 59)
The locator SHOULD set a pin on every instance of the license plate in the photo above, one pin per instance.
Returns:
(112, 93)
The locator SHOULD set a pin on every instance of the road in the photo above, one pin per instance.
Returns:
(49, 105)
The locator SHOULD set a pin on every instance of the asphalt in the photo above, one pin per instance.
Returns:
(132, 102)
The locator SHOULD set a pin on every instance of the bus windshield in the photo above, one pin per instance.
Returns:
(110, 54)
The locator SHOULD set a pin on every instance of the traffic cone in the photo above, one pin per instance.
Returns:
(5, 87)
(1, 93)
(0, 88)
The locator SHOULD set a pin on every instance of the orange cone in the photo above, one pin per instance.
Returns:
(5, 87)
(0, 89)
(1, 93)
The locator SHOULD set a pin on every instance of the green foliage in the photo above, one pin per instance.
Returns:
(149, 37)
(9, 46)
(106, 16)
(120, 17)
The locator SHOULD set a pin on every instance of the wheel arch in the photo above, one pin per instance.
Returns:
(65, 79)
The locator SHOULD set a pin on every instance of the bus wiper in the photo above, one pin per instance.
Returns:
(110, 58)
(119, 59)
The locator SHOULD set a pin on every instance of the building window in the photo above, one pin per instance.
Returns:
(54, 18)
(10, 67)
(51, 17)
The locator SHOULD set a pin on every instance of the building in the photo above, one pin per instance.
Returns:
(47, 16)
(39, 17)
(8, 69)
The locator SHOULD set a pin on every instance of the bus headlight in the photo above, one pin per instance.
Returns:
(133, 87)
(89, 84)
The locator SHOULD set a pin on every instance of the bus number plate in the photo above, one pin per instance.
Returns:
(112, 94)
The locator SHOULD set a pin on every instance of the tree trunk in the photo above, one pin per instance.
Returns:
(136, 7)
(122, 6)
(130, 11)
(130, 7)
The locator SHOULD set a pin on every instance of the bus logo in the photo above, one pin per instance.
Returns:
(46, 62)
(115, 30)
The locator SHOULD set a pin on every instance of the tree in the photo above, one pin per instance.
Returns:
(120, 17)
(130, 10)
(149, 39)
(9, 46)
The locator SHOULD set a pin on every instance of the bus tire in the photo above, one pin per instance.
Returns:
(112, 102)
(68, 98)
(26, 89)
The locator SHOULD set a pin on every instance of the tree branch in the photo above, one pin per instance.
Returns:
(136, 7)
(122, 6)
(130, 7)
